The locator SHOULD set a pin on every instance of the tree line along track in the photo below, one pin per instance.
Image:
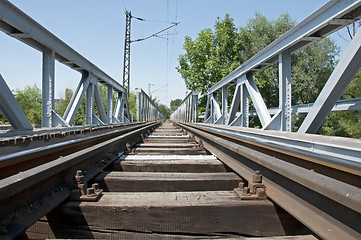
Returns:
(168, 186)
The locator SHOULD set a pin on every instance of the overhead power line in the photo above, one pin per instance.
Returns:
(155, 34)
(126, 65)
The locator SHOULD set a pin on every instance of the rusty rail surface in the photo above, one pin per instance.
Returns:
(21, 160)
(30, 194)
(324, 196)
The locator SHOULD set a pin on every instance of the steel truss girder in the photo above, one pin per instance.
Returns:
(187, 111)
(340, 78)
(251, 91)
(326, 20)
(213, 110)
(17, 24)
(329, 18)
(146, 108)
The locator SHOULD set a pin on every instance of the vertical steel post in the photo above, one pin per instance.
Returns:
(89, 106)
(224, 104)
(244, 105)
(110, 104)
(121, 107)
(284, 65)
(48, 87)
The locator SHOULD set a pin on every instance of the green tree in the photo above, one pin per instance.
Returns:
(211, 56)
(215, 53)
(132, 99)
(346, 124)
(174, 104)
(164, 110)
(30, 101)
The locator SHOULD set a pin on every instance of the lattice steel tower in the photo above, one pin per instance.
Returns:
(126, 68)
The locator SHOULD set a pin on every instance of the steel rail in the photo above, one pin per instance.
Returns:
(335, 157)
(330, 208)
(19, 161)
(11, 141)
(27, 196)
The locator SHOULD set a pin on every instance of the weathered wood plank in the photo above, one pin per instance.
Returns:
(162, 182)
(169, 151)
(168, 133)
(196, 166)
(42, 230)
(167, 144)
(179, 212)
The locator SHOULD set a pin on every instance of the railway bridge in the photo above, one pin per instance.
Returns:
(190, 177)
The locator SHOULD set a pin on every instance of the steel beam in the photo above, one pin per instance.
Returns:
(99, 102)
(89, 104)
(332, 16)
(195, 106)
(235, 104)
(285, 90)
(76, 99)
(11, 108)
(257, 100)
(16, 23)
(244, 105)
(353, 104)
(224, 106)
(340, 78)
(146, 109)
(48, 88)
(110, 105)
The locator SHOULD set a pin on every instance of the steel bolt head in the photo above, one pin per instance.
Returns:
(245, 190)
(95, 186)
(79, 178)
(79, 172)
(90, 192)
(257, 177)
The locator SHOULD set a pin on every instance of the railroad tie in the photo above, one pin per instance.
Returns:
(167, 187)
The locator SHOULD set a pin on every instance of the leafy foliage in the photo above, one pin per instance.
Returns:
(346, 124)
(215, 53)
(174, 104)
(164, 110)
(30, 101)
(132, 99)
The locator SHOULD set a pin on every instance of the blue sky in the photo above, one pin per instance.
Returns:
(96, 30)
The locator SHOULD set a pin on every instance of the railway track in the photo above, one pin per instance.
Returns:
(180, 181)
